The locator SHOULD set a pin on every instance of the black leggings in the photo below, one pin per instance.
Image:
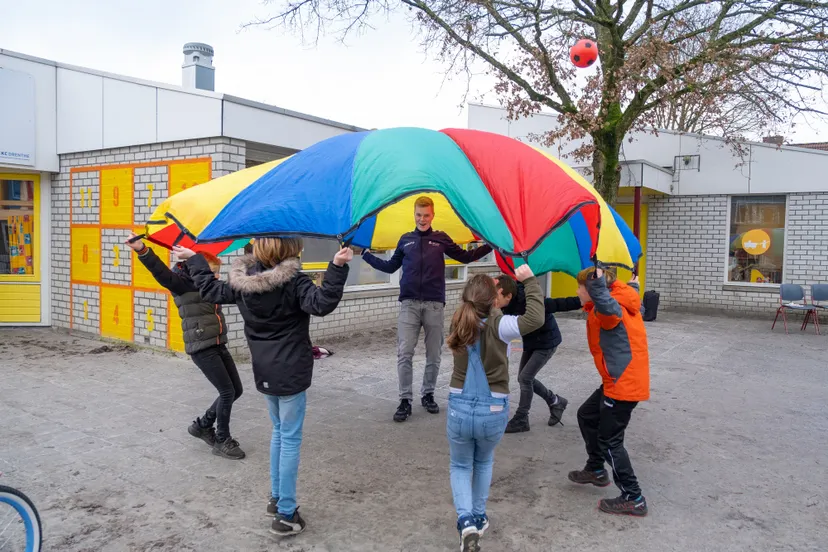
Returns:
(218, 366)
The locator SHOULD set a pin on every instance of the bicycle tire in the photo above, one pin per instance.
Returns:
(27, 511)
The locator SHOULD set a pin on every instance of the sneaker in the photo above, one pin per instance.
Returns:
(285, 526)
(428, 403)
(624, 506)
(403, 411)
(271, 507)
(556, 411)
(469, 534)
(229, 448)
(518, 424)
(482, 523)
(583, 477)
(206, 434)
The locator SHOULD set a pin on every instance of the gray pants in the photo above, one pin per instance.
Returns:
(413, 316)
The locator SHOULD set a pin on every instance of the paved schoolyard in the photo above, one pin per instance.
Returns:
(731, 450)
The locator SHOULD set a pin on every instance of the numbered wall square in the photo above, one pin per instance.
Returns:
(86, 198)
(150, 191)
(86, 308)
(116, 258)
(117, 312)
(186, 175)
(86, 254)
(143, 278)
(116, 197)
(151, 318)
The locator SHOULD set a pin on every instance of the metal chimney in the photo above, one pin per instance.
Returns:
(198, 71)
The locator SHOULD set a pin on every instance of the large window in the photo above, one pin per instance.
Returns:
(17, 227)
(318, 253)
(757, 239)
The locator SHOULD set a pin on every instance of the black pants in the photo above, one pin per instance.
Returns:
(218, 366)
(530, 364)
(602, 421)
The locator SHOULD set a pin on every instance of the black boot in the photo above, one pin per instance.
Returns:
(229, 448)
(403, 411)
(206, 434)
(518, 424)
(428, 403)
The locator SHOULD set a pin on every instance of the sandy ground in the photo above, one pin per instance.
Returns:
(730, 450)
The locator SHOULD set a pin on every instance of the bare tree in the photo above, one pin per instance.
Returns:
(657, 60)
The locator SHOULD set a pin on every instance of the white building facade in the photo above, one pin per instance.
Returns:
(721, 227)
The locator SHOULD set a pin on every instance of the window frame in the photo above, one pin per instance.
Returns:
(36, 214)
(320, 266)
(726, 261)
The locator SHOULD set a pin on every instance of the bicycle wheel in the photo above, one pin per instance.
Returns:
(19, 522)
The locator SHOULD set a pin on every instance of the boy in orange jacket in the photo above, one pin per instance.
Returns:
(618, 342)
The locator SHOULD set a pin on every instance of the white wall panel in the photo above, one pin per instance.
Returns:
(80, 111)
(129, 113)
(183, 116)
(783, 171)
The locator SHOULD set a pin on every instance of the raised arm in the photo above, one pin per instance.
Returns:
(607, 308)
(390, 266)
(159, 270)
(512, 327)
(322, 300)
(463, 256)
(211, 288)
(562, 304)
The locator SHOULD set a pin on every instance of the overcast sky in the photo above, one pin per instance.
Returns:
(379, 79)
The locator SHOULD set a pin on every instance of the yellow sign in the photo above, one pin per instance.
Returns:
(86, 254)
(756, 242)
(116, 313)
(116, 197)
(150, 321)
(186, 175)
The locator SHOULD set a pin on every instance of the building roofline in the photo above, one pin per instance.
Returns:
(193, 91)
(788, 147)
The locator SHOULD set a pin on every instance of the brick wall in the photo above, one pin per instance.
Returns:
(686, 245)
(150, 189)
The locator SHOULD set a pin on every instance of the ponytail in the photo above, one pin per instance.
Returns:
(478, 299)
(465, 327)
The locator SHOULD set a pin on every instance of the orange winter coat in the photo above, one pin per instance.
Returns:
(617, 339)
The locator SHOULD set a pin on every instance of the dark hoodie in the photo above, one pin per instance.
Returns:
(549, 335)
(276, 305)
(202, 323)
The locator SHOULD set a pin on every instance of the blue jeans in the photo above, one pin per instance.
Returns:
(288, 415)
(475, 426)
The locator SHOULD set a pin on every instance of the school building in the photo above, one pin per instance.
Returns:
(721, 226)
(86, 156)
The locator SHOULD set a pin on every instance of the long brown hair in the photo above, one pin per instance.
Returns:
(478, 299)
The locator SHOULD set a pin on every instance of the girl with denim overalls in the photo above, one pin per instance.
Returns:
(478, 407)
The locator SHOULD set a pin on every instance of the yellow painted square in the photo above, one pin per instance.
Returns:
(117, 188)
(175, 335)
(116, 312)
(86, 254)
(141, 277)
(186, 175)
(19, 303)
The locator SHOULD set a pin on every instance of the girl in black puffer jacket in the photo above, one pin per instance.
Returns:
(276, 301)
(205, 338)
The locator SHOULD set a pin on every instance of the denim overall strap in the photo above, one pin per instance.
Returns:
(476, 384)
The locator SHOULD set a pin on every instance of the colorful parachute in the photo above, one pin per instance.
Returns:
(360, 188)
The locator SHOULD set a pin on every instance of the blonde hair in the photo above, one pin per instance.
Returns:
(586, 274)
(424, 201)
(478, 299)
(272, 251)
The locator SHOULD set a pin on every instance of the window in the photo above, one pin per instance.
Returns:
(17, 230)
(318, 253)
(756, 239)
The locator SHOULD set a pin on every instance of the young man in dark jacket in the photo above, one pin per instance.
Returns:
(421, 254)
(276, 301)
(538, 348)
(205, 339)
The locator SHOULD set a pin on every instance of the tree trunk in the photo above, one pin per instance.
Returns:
(606, 168)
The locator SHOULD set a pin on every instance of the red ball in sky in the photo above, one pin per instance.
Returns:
(584, 53)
